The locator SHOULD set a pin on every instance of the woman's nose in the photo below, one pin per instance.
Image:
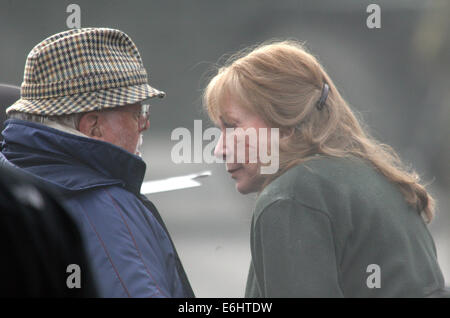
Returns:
(220, 151)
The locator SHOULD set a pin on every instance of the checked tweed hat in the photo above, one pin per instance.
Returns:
(83, 70)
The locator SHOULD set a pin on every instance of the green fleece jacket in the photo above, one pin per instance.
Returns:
(335, 227)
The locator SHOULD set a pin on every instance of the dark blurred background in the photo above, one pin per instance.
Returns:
(397, 77)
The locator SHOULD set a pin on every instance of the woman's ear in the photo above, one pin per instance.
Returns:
(89, 125)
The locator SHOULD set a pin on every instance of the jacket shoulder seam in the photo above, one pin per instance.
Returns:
(134, 242)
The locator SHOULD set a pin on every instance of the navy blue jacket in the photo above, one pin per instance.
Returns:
(130, 249)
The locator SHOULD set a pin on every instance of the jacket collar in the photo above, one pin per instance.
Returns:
(68, 161)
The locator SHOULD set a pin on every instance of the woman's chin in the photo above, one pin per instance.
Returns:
(244, 188)
(247, 180)
(240, 189)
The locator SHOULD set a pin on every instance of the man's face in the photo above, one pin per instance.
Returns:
(121, 126)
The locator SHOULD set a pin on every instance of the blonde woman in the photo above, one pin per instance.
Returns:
(342, 216)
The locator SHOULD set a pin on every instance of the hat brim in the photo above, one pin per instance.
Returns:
(86, 102)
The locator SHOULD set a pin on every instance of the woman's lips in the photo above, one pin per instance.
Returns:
(233, 171)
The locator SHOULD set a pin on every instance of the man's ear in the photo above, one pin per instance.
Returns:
(89, 125)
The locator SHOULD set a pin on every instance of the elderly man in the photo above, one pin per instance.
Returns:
(77, 128)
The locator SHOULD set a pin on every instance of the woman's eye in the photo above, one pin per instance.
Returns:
(229, 125)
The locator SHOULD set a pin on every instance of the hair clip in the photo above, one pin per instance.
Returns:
(323, 96)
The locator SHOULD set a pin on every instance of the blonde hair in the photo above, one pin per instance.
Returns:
(281, 83)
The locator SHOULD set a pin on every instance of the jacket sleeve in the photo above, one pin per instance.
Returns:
(127, 250)
(293, 252)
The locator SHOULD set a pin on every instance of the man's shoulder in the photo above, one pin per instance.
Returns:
(99, 203)
(102, 195)
(112, 209)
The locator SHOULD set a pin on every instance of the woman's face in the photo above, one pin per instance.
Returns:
(245, 170)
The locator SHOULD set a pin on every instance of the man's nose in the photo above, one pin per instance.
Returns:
(145, 126)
